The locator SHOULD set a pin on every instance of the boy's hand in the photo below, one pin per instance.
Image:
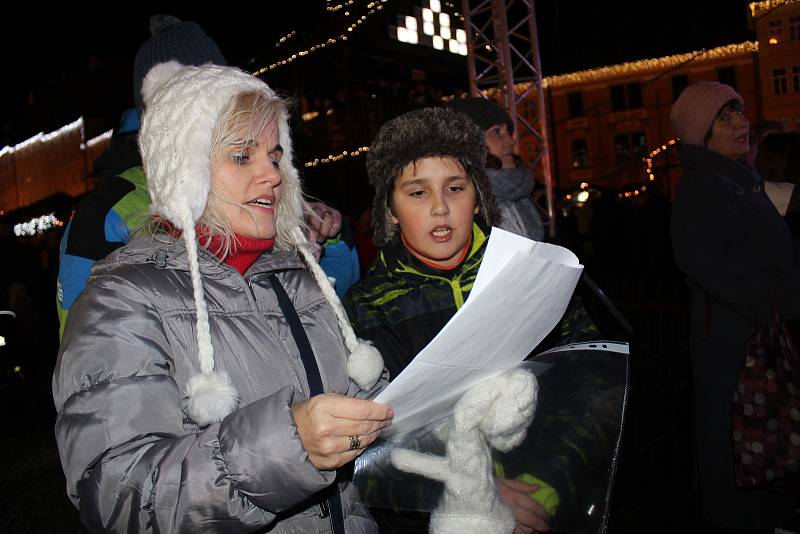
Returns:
(530, 515)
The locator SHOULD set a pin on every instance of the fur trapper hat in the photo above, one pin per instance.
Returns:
(486, 113)
(426, 133)
(183, 105)
(694, 112)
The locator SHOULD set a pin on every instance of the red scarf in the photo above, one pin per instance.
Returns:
(244, 250)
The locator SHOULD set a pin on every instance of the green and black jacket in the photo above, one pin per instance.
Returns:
(402, 303)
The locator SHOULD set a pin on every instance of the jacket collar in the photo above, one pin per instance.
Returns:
(395, 258)
(169, 253)
(702, 159)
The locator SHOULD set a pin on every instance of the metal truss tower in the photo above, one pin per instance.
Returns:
(503, 58)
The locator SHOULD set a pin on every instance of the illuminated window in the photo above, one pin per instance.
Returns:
(575, 102)
(727, 75)
(779, 82)
(794, 27)
(580, 154)
(775, 31)
(631, 146)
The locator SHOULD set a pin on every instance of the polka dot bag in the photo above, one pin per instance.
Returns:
(766, 413)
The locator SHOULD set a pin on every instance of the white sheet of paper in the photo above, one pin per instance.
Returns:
(521, 292)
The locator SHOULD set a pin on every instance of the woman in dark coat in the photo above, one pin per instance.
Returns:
(734, 249)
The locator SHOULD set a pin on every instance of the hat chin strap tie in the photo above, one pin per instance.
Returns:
(364, 363)
(210, 394)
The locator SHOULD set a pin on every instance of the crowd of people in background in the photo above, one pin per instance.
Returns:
(734, 227)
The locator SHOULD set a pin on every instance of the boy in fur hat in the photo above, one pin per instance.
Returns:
(432, 212)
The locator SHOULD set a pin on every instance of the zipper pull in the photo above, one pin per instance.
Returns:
(324, 511)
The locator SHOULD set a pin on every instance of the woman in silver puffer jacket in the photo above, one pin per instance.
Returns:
(207, 378)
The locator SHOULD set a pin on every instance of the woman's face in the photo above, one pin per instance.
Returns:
(730, 132)
(246, 181)
(499, 142)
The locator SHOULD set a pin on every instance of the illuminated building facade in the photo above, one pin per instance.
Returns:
(605, 121)
(602, 121)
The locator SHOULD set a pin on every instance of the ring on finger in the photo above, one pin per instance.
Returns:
(355, 443)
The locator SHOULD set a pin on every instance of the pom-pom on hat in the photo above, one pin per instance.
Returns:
(426, 133)
(694, 112)
(183, 105)
(172, 39)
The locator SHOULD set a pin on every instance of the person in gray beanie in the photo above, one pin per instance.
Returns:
(512, 183)
(736, 253)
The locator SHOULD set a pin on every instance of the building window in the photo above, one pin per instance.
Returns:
(580, 154)
(631, 146)
(727, 75)
(796, 78)
(618, 98)
(775, 31)
(575, 101)
(779, 82)
(679, 83)
(627, 96)
(794, 27)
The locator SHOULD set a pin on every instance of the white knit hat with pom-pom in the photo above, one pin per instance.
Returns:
(182, 107)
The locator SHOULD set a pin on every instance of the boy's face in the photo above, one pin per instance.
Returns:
(433, 202)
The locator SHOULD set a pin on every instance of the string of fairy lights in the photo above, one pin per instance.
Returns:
(285, 38)
(584, 190)
(43, 138)
(648, 169)
(756, 8)
(332, 158)
(336, 7)
(653, 64)
(372, 8)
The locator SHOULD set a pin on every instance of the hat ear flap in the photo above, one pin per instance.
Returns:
(157, 77)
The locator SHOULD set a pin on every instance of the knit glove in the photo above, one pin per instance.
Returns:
(497, 413)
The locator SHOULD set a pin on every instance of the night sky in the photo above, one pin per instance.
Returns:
(50, 57)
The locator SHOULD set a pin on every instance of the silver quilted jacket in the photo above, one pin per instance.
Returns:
(133, 459)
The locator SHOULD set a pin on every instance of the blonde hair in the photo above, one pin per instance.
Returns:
(246, 117)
